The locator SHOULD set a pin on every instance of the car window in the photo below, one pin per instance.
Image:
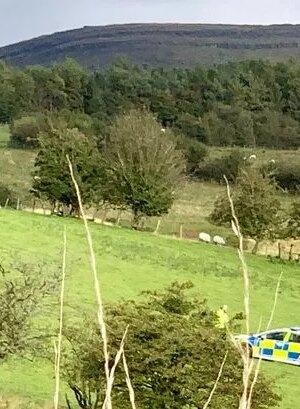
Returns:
(295, 338)
(277, 336)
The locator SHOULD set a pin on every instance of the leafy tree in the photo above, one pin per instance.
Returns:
(24, 132)
(173, 353)
(143, 165)
(7, 196)
(52, 180)
(229, 125)
(75, 79)
(22, 291)
(229, 165)
(194, 153)
(286, 175)
(272, 128)
(256, 206)
(191, 126)
(293, 222)
(49, 89)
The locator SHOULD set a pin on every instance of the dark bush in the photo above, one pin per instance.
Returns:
(7, 197)
(21, 293)
(191, 127)
(287, 175)
(24, 132)
(194, 153)
(293, 223)
(229, 165)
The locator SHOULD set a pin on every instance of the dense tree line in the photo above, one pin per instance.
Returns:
(250, 103)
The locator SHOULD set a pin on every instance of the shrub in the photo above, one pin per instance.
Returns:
(7, 196)
(287, 175)
(24, 132)
(256, 206)
(22, 290)
(143, 165)
(173, 352)
(229, 165)
(51, 177)
(194, 153)
(293, 223)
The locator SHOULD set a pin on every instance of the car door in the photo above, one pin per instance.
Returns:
(294, 348)
(273, 346)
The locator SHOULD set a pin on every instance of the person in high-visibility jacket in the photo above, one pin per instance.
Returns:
(222, 318)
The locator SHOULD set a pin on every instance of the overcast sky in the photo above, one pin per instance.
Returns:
(24, 19)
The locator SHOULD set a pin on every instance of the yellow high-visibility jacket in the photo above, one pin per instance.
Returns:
(222, 319)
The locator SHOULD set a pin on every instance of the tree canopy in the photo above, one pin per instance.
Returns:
(256, 206)
(173, 351)
(143, 165)
(248, 103)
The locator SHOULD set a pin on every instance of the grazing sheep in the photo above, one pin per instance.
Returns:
(205, 237)
(252, 157)
(272, 161)
(219, 241)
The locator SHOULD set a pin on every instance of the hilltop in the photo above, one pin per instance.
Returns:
(183, 45)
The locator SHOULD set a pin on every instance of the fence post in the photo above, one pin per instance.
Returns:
(291, 252)
(118, 221)
(181, 230)
(279, 250)
(6, 203)
(157, 226)
(18, 204)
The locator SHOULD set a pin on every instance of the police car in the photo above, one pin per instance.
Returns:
(282, 345)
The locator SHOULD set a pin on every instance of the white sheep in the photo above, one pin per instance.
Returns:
(219, 241)
(205, 237)
(272, 161)
(252, 157)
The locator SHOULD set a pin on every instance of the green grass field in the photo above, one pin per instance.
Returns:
(129, 262)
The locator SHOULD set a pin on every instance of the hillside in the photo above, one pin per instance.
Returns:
(130, 262)
(159, 44)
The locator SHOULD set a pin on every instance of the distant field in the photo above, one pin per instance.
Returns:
(263, 155)
(194, 203)
(128, 263)
(15, 167)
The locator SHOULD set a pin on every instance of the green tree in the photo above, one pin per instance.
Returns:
(49, 89)
(229, 125)
(22, 291)
(293, 222)
(143, 165)
(256, 206)
(7, 196)
(51, 178)
(24, 132)
(286, 175)
(194, 153)
(75, 79)
(173, 352)
(229, 165)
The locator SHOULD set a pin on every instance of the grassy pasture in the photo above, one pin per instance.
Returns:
(128, 263)
(193, 205)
